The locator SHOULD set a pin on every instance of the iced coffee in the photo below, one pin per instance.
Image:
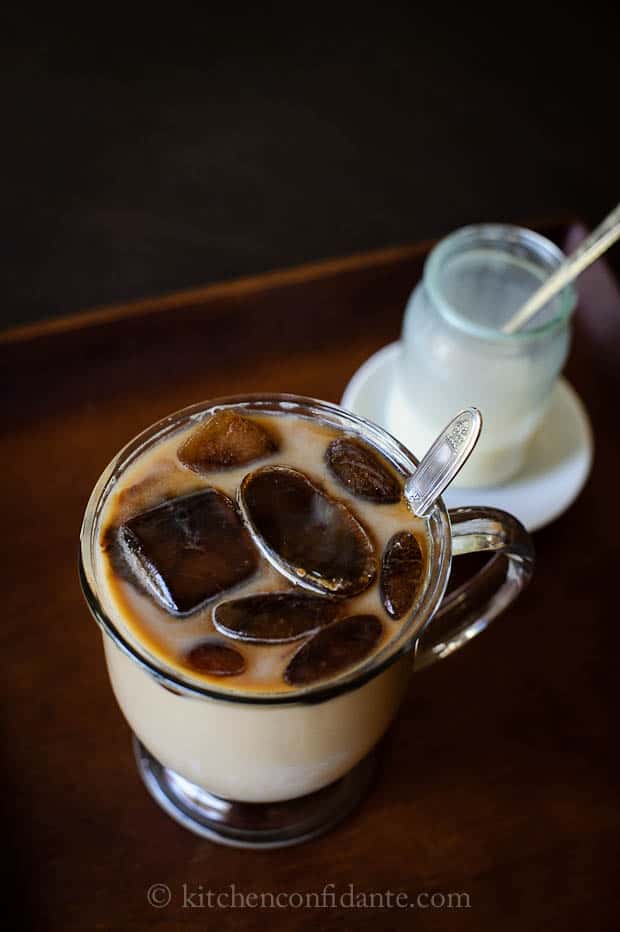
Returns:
(263, 589)
(253, 566)
(262, 553)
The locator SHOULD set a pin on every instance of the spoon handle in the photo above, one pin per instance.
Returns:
(593, 246)
(444, 460)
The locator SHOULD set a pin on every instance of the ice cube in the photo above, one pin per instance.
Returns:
(360, 470)
(186, 550)
(334, 649)
(401, 573)
(275, 617)
(213, 657)
(312, 539)
(224, 440)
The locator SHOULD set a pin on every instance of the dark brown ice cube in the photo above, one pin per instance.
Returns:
(215, 658)
(311, 538)
(225, 440)
(360, 470)
(402, 569)
(186, 550)
(334, 649)
(275, 618)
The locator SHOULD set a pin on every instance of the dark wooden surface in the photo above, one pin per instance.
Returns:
(498, 778)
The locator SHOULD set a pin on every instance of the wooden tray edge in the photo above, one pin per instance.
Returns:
(264, 281)
(294, 275)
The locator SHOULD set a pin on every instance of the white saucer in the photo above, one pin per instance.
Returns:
(558, 461)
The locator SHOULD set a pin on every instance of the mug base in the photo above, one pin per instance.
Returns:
(253, 825)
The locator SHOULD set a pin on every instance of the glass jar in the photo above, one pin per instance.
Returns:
(454, 353)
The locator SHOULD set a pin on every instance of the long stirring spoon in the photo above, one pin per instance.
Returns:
(598, 242)
(443, 461)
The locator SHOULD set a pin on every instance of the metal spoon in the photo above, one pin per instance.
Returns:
(443, 461)
(590, 249)
(434, 473)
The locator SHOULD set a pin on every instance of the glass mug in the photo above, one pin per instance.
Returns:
(261, 770)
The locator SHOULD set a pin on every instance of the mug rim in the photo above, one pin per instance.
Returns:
(438, 535)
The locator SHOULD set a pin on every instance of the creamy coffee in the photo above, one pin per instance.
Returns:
(261, 553)
(262, 586)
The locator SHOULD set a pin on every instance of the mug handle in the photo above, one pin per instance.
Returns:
(469, 609)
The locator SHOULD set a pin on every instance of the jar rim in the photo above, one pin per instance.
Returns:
(438, 524)
(496, 234)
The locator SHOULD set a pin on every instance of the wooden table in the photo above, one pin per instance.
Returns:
(498, 778)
